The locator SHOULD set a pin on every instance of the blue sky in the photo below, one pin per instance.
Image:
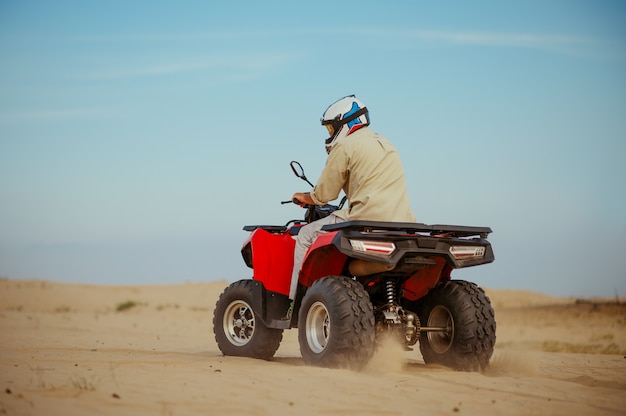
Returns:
(137, 138)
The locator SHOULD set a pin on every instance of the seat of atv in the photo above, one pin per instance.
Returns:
(409, 228)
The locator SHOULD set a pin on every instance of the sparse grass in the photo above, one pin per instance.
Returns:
(124, 306)
(167, 306)
(603, 337)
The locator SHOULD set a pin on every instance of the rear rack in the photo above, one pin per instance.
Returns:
(410, 228)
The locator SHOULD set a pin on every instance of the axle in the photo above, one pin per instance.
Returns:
(435, 329)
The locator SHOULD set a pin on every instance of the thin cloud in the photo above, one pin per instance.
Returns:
(240, 63)
(451, 37)
(521, 40)
(557, 42)
(486, 39)
(583, 47)
(148, 70)
(257, 63)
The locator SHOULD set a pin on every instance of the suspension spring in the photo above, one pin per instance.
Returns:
(391, 291)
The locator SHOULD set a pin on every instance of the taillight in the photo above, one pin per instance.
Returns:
(373, 247)
(467, 252)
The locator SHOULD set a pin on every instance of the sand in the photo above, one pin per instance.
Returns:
(149, 350)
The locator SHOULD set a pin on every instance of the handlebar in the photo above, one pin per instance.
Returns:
(293, 201)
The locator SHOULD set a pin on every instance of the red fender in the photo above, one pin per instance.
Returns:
(323, 259)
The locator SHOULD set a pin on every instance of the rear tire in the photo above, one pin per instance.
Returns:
(238, 329)
(336, 326)
(466, 311)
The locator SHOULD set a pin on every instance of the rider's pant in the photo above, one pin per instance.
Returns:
(307, 234)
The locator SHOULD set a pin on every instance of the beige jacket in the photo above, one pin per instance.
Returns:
(368, 169)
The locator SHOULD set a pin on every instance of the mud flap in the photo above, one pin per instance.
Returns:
(271, 306)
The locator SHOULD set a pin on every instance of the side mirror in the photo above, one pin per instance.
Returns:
(297, 169)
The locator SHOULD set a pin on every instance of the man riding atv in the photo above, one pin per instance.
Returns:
(347, 278)
(363, 164)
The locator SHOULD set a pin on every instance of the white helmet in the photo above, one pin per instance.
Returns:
(343, 117)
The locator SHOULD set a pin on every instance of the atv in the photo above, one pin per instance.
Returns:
(361, 281)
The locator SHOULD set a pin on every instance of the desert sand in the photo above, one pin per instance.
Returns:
(149, 350)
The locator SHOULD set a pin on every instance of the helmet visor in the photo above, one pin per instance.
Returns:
(330, 128)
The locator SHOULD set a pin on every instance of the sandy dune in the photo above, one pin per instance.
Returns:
(68, 350)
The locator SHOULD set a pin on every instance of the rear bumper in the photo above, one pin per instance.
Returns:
(415, 244)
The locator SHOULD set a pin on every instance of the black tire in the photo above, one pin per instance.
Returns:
(464, 308)
(336, 326)
(237, 327)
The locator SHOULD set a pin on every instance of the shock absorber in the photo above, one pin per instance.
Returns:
(391, 310)
(391, 291)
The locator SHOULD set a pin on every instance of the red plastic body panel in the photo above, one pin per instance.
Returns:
(418, 285)
(272, 259)
(272, 263)
(323, 259)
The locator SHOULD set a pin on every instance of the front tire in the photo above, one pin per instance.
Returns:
(336, 324)
(237, 327)
(470, 336)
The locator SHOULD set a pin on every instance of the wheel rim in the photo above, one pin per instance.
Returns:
(239, 322)
(317, 327)
(441, 317)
